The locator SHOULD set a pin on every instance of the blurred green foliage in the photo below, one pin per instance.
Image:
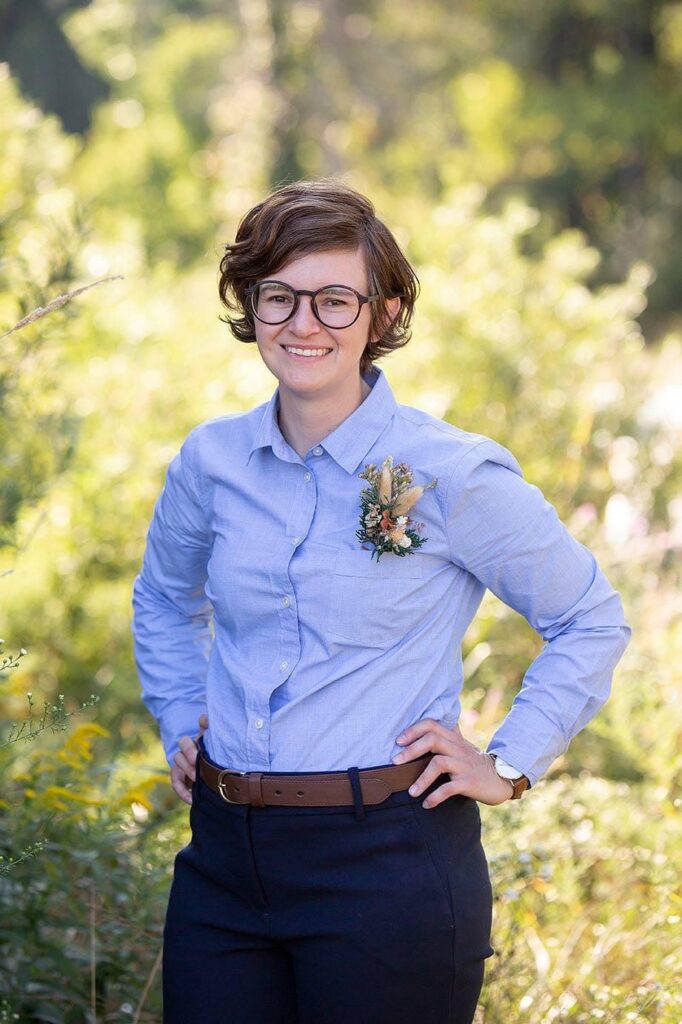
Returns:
(525, 156)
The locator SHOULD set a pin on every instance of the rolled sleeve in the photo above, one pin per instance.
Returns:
(171, 613)
(504, 532)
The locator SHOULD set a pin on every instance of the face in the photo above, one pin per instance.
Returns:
(337, 368)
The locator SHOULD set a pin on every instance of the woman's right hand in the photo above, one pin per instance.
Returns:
(184, 772)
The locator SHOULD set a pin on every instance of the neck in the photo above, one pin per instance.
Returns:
(305, 420)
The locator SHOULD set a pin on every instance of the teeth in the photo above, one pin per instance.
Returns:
(308, 351)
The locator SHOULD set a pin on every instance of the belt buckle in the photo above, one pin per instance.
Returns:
(221, 783)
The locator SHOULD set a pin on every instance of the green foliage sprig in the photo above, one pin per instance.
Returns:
(9, 661)
(54, 715)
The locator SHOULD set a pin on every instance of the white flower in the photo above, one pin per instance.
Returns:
(404, 542)
(401, 519)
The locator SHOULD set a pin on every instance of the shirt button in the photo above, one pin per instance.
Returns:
(307, 477)
(317, 450)
(295, 541)
(286, 601)
(283, 665)
(259, 723)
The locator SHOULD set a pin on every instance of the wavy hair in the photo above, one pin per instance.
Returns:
(312, 216)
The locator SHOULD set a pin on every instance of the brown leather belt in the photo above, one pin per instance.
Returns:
(307, 789)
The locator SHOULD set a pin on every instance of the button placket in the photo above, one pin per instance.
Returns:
(296, 531)
(257, 739)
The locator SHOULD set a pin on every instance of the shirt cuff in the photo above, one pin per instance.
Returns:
(521, 760)
(177, 722)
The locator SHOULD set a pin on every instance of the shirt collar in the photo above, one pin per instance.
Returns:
(351, 440)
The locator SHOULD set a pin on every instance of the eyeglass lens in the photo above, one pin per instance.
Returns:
(336, 306)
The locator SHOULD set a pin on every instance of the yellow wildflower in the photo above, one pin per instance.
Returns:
(139, 793)
(61, 792)
(77, 749)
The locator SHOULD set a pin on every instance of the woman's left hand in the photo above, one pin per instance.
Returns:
(471, 771)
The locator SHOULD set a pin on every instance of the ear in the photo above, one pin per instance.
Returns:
(393, 307)
(390, 311)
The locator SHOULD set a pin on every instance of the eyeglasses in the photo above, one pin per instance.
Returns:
(335, 305)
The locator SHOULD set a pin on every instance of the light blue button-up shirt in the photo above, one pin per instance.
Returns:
(257, 604)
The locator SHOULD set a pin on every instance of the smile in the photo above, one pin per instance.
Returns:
(306, 353)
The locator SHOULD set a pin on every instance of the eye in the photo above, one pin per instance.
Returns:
(275, 296)
(336, 299)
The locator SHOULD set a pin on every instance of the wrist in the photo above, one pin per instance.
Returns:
(518, 782)
(504, 785)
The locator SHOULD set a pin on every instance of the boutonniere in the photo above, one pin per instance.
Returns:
(384, 519)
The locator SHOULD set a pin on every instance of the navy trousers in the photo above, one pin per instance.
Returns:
(334, 915)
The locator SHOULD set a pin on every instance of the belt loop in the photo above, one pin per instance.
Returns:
(255, 783)
(358, 804)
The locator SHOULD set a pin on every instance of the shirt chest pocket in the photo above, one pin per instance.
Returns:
(375, 604)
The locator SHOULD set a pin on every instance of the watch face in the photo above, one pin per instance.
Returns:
(506, 771)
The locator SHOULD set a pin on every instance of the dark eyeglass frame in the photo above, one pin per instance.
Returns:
(297, 292)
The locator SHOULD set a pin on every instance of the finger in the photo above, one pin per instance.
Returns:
(188, 750)
(430, 741)
(182, 764)
(203, 722)
(439, 765)
(419, 728)
(185, 764)
(181, 781)
(179, 786)
(453, 788)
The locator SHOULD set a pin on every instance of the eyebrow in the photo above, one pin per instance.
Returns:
(334, 284)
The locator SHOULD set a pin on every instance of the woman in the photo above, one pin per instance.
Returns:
(341, 543)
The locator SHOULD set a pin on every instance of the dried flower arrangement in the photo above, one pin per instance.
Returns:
(384, 521)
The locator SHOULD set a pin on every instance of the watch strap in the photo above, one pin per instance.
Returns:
(519, 787)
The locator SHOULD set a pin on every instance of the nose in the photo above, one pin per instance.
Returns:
(304, 322)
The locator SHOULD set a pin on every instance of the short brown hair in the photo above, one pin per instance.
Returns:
(313, 216)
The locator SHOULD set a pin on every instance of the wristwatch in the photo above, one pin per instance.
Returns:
(518, 780)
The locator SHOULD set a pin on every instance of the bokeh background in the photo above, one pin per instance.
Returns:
(527, 155)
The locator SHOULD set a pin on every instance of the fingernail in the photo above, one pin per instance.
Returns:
(401, 738)
(414, 790)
